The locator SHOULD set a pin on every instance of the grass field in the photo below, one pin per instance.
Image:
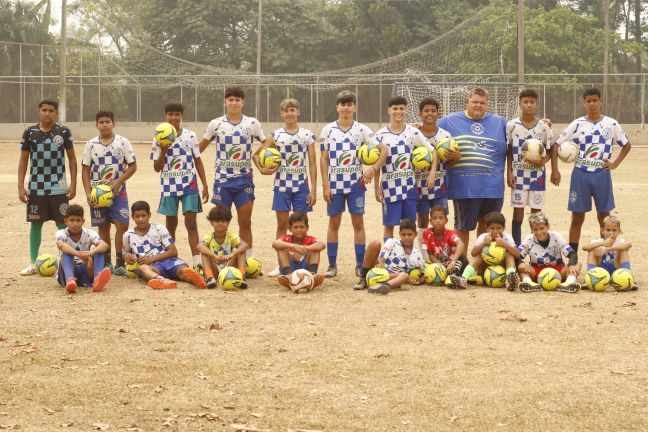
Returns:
(424, 359)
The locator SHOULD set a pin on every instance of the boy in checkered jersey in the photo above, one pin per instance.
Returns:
(178, 165)
(525, 177)
(395, 186)
(109, 159)
(150, 245)
(595, 135)
(45, 145)
(343, 181)
(233, 134)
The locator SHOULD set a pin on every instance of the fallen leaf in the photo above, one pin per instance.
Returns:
(122, 330)
(200, 375)
(629, 303)
(382, 355)
(614, 372)
(245, 428)
(135, 300)
(453, 419)
(68, 424)
(257, 415)
(100, 426)
(513, 317)
(136, 386)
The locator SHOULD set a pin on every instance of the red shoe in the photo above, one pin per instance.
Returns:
(192, 276)
(317, 280)
(71, 285)
(162, 283)
(101, 280)
(283, 280)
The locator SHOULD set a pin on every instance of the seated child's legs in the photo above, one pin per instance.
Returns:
(148, 271)
(396, 280)
(371, 254)
(622, 260)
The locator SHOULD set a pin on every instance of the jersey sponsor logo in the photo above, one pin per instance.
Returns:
(294, 160)
(107, 173)
(345, 158)
(58, 140)
(235, 153)
(176, 174)
(399, 174)
(176, 164)
(290, 170)
(477, 128)
(524, 166)
(236, 164)
(401, 162)
(592, 152)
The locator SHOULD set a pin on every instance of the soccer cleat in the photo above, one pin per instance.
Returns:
(318, 279)
(162, 283)
(274, 273)
(283, 281)
(571, 287)
(512, 281)
(527, 287)
(71, 285)
(476, 280)
(361, 285)
(198, 268)
(457, 282)
(192, 276)
(101, 280)
(635, 287)
(28, 271)
(211, 283)
(109, 266)
(382, 288)
(243, 285)
(330, 272)
(120, 270)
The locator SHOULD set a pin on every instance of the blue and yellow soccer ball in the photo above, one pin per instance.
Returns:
(377, 276)
(597, 279)
(549, 279)
(46, 264)
(270, 157)
(368, 154)
(495, 276)
(421, 158)
(622, 280)
(101, 195)
(252, 268)
(415, 275)
(435, 274)
(165, 134)
(444, 145)
(230, 278)
(132, 270)
(493, 254)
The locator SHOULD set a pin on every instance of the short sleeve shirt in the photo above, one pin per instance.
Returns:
(540, 255)
(443, 248)
(307, 241)
(398, 260)
(107, 162)
(440, 190)
(527, 176)
(87, 241)
(610, 257)
(152, 243)
(229, 243)
(485, 239)
(291, 174)
(178, 175)
(47, 156)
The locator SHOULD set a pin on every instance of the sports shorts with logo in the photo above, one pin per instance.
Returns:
(169, 267)
(355, 201)
(83, 279)
(587, 185)
(239, 191)
(117, 211)
(295, 201)
(469, 210)
(425, 205)
(43, 208)
(532, 198)
(394, 212)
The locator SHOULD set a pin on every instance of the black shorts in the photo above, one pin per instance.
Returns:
(42, 208)
(469, 210)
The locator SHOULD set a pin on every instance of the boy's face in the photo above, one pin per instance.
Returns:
(234, 104)
(219, 226)
(540, 230)
(105, 126)
(407, 236)
(299, 229)
(175, 118)
(429, 115)
(141, 218)
(346, 110)
(592, 104)
(528, 105)
(290, 114)
(438, 219)
(611, 230)
(397, 113)
(74, 223)
(495, 230)
(47, 114)
(477, 106)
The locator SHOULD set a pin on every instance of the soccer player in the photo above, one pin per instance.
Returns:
(150, 245)
(343, 181)
(395, 185)
(82, 254)
(109, 159)
(595, 134)
(233, 134)
(441, 245)
(45, 144)
(178, 165)
(526, 177)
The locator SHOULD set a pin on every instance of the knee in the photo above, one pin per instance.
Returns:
(191, 224)
(358, 223)
(334, 223)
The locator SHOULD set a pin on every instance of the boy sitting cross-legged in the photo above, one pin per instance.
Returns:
(443, 245)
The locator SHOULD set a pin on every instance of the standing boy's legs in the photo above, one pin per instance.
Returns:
(332, 243)
(244, 218)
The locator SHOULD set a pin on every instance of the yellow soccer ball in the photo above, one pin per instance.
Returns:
(549, 279)
(415, 275)
(435, 274)
(368, 154)
(132, 270)
(270, 157)
(252, 268)
(622, 280)
(377, 276)
(493, 254)
(532, 149)
(597, 279)
(165, 134)
(101, 195)
(421, 158)
(444, 145)
(495, 276)
(230, 278)
(46, 264)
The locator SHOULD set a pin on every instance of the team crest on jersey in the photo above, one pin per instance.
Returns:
(58, 140)
(345, 158)
(607, 133)
(477, 129)
(119, 153)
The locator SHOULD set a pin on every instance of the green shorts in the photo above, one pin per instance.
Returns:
(169, 205)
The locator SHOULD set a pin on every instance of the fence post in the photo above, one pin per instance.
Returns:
(317, 101)
(380, 102)
(196, 104)
(80, 87)
(357, 107)
(20, 86)
(311, 103)
(41, 77)
(267, 103)
(643, 100)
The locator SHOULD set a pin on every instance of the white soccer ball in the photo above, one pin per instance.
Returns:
(532, 149)
(301, 281)
(568, 151)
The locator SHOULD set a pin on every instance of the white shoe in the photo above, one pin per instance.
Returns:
(28, 271)
(274, 273)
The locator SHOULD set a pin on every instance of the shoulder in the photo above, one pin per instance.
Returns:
(442, 133)
(286, 238)
(60, 234)
(363, 127)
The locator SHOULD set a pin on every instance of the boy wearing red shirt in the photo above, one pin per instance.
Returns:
(443, 245)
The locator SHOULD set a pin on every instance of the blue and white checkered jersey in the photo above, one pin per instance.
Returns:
(345, 169)
(87, 241)
(178, 175)
(595, 141)
(440, 190)
(538, 254)
(527, 176)
(107, 162)
(398, 260)
(610, 257)
(292, 173)
(233, 146)
(397, 173)
(153, 243)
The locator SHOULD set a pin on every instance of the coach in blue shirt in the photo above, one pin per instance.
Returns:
(475, 174)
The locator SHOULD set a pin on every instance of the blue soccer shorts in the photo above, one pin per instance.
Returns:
(83, 279)
(355, 201)
(295, 201)
(169, 267)
(424, 205)
(117, 211)
(587, 185)
(394, 212)
(238, 191)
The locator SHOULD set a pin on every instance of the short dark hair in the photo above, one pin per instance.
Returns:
(494, 218)
(396, 100)
(174, 107)
(74, 210)
(219, 213)
(140, 205)
(345, 96)
(439, 208)
(105, 113)
(298, 217)
(234, 91)
(407, 224)
(528, 92)
(592, 91)
(428, 101)
(52, 102)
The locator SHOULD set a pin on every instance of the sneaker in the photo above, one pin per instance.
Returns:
(318, 280)
(512, 281)
(71, 285)
(572, 287)
(330, 272)
(635, 287)
(358, 270)
(243, 285)
(198, 268)
(274, 273)
(101, 280)
(211, 283)
(283, 281)
(109, 266)
(476, 280)
(162, 283)
(28, 271)
(457, 282)
(382, 288)
(192, 276)
(361, 285)
(120, 270)
(527, 287)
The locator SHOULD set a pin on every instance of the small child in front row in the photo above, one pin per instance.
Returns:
(609, 251)
(398, 257)
(546, 249)
(221, 248)
(298, 250)
(441, 245)
(151, 246)
(82, 254)
(495, 224)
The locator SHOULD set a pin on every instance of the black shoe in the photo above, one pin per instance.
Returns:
(572, 287)
(528, 287)
(513, 281)
(383, 288)
(211, 283)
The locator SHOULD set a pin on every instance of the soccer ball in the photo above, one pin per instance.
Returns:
(495, 276)
(532, 149)
(421, 158)
(415, 275)
(101, 195)
(46, 264)
(230, 278)
(444, 145)
(493, 254)
(368, 154)
(132, 270)
(270, 158)
(165, 134)
(568, 151)
(597, 279)
(301, 281)
(252, 268)
(435, 274)
(376, 276)
(549, 279)
(622, 280)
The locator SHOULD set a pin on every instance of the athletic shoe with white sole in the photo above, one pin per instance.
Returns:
(382, 288)
(512, 281)
(28, 271)
(274, 273)
(527, 287)
(361, 285)
(572, 287)
(330, 272)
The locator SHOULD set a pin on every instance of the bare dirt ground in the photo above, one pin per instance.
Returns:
(423, 359)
